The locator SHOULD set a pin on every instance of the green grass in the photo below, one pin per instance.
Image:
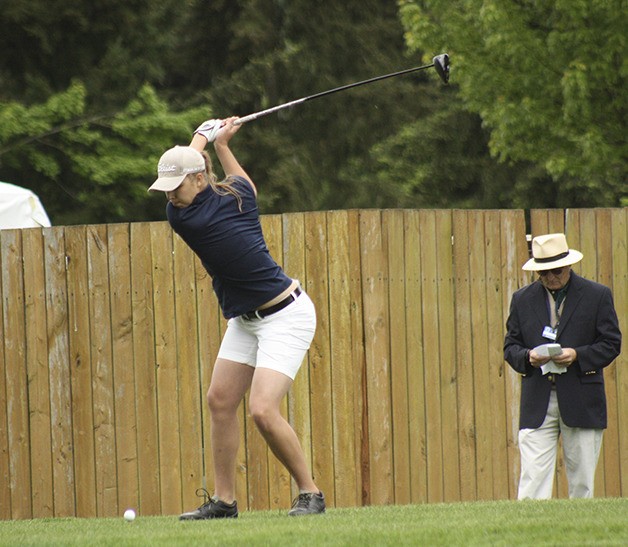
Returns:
(553, 522)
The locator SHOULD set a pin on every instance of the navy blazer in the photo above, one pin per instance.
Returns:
(589, 325)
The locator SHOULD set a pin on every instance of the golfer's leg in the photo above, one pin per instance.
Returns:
(230, 380)
(538, 449)
(582, 450)
(268, 389)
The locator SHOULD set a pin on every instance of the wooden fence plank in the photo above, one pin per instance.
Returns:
(431, 355)
(190, 391)
(413, 240)
(467, 430)
(345, 414)
(257, 453)
(19, 449)
(37, 370)
(480, 343)
(5, 468)
(538, 222)
(316, 261)
(619, 229)
(514, 252)
(377, 336)
(495, 355)
(393, 233)
(604, 258)
(547, 221)
(358, 359)
(167, 373)
(145, 370)
(80, 370)
(102, 371)
(586, 243)
(447, 343)
(208, 326)
(60, 376)
(123, 365)
(299, 412)
(279, 493)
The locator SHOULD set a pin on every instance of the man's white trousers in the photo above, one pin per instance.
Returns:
(538, 449)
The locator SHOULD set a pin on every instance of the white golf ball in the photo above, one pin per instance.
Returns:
(129, 515)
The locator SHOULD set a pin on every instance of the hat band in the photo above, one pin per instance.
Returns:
(552, 258)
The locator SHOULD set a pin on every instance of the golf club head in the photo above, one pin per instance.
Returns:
(441, 64)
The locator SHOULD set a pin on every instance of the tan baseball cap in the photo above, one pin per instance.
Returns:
(176, 164)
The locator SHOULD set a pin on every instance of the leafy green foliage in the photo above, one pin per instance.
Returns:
(80, 122)
(423, 165)
(103, 164)
(548, 79)
(300, 48)
(112, 46)
(91, 93)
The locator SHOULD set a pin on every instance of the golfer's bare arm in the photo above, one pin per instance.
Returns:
(230, 165)
(198, 142)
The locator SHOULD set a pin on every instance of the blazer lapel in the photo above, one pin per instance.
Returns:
(574, 294)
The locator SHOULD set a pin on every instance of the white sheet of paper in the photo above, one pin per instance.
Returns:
(550, 350)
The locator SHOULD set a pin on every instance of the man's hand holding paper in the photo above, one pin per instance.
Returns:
(551, 352)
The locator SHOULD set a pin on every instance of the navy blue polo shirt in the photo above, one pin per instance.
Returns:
(231, 246)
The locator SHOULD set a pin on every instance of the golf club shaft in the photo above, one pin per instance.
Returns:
(261, 113)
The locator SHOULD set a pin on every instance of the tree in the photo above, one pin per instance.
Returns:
(379, 145)
(98, 91)
(425, 164)
(548, 80)
(80, 121)
(91, 168)
(280, 51)
(112, 46)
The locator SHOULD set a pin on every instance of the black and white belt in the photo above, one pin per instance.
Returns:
(260, 314)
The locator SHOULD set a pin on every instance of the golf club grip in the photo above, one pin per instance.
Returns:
(261, 113)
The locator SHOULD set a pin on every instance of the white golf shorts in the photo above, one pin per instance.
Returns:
(278, 341)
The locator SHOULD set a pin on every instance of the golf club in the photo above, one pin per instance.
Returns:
(440, 63)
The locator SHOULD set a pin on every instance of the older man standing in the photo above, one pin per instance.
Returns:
(562, 331)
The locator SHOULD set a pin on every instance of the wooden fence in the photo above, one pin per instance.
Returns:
(109, 333)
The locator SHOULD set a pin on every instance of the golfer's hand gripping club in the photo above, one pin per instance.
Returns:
(210, 129)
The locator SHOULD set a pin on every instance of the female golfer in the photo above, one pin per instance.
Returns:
(271, 320)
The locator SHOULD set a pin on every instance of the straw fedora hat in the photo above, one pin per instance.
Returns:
(551, 251)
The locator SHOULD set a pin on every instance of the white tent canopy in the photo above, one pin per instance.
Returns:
(20, 208)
